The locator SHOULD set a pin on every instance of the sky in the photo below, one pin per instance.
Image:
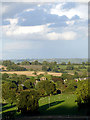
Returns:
(44, 30)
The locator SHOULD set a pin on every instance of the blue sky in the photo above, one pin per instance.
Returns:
(46, 30)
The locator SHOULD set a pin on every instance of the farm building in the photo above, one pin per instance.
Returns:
(43, 78)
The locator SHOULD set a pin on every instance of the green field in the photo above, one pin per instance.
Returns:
(62, 104)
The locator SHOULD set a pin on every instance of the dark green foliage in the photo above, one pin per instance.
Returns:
(15, 68)
(71, 86)
(28, 84)
(7, 63)
(67, 76)
(70, 67)
(45, 63)
(55, 79)
(14, 76)
(44, 68)
(82, 67)
(5, 76)
(25, 63)
(82, 92)
(12, 66)
(60, 85)
(21, 78)
(48, 86)
(9, 92)
(76, 75)
(28, 101)
(36, 63)
(69, 63)
(55, 69)
(10, 115)
(63, 63)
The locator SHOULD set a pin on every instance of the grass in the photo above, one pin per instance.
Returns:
(62, 105)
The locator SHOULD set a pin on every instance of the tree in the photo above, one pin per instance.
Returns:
(28, 101)
(67, 76)
(25, 63)
(22, 78)
(45, 63)
(44, 68)
(9, 92)
(82, 94)
(5, 76)
(7, 63)
(63, 63)
(28, 84)
(71, 86)
(36, 63)
(14, 76)
(60, 85)
(2, 69)
(70, 67)
(76, 75)
(46, 85)
(69, 63)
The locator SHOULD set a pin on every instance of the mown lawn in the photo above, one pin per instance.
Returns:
(62, 104)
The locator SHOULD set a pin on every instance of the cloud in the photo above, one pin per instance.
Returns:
(41, 32)
(70, 22)
(11, 30)
(62, 36)
(12, 21)
(28, 10)
(80, 10)
(51, 25)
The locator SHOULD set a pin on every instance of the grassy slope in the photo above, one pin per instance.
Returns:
(63, 104)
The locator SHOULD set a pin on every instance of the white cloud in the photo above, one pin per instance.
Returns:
(28, 10)
(11, 30)
(12, 21)
(39, 5)
(41, 32)
(70, 22)
(62, 36)
(81, 10)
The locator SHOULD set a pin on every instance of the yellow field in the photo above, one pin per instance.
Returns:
(30, 73)
(3, 67)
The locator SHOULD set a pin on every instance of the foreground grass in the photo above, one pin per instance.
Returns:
(62, 104)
